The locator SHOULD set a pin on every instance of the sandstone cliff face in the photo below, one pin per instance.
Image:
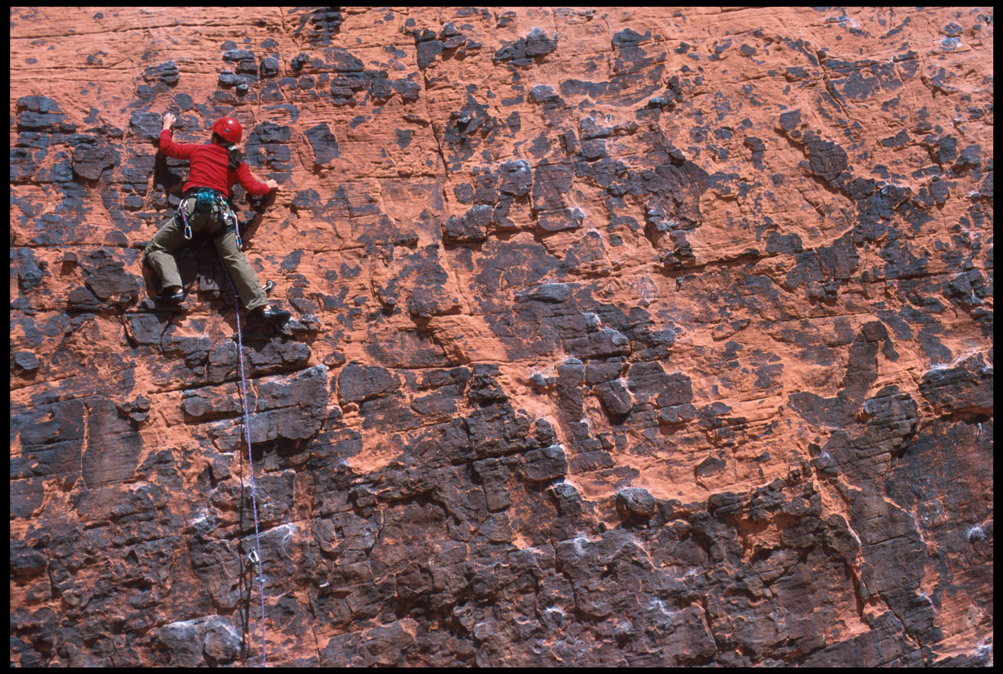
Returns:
(620, 337)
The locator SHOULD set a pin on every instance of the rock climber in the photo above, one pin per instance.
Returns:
(205, 207)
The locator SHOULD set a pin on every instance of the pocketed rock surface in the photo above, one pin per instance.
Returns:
(620, 337)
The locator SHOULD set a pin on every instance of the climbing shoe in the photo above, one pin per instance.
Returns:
(171, 298)
(274, 315)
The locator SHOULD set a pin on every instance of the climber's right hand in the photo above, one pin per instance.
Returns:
(272, 185)
(169, 120)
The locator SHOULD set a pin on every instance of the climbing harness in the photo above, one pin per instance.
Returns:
(205, 199)
(255, 555)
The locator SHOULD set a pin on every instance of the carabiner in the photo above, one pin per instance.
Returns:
(184, 219)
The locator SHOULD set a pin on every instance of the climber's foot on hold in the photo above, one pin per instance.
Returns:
(273, 315)
(172, 295)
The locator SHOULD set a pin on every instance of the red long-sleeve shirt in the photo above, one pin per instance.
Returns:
(209, 167)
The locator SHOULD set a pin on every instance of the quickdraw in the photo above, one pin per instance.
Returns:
(236, 226)
(184, 219)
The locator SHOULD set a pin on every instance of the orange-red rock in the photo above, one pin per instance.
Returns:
(621, 336)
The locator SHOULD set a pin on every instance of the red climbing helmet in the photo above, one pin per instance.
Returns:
(228, 128)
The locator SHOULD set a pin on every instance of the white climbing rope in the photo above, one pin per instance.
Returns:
(255, 556)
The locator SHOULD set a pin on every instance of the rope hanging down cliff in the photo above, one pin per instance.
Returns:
(256, 559)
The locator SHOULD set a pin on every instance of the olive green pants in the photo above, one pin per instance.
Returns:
(160, 251)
